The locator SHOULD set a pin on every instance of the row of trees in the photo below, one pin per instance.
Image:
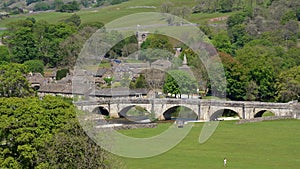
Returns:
(54, 44)
(228, 5)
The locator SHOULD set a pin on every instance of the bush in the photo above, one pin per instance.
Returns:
(4, 54)
(41, 6)
(35, 66)
(61, 73)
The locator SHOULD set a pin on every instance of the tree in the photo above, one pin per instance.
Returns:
(35, 66)
(155, 41)
(57, 4)
(74, 19)
(70, 7)
(288, 85)
(166, 7)
(41, 6)
(235, 77)
(141, 82)
(13, 82)
(222, 42)
(182, 12)
(179, 82)
(261, 66)
(226, 5)
(45, 133)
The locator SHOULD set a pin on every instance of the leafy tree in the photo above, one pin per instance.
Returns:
(35, 66)
(74, 19)
(41, 6)
(261, 66)
(141, 82)
(44, 133)
(222, 42)
(12, 81)
(288, 85)
(156, 41)
(235, 77)
(21, 41)
(57, 4)
(96, 25)
(182, 12)
(61, 73)
(70, 7)
(236, 19)
(179, 82)
(166, 7)
(108, 80)
(226, 5)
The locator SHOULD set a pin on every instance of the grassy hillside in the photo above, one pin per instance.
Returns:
(265, 145)
(109, 13)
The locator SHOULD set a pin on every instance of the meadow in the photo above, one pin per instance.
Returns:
(109, 13)
(262, 145)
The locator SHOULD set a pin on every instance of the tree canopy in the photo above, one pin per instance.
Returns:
(44, 133)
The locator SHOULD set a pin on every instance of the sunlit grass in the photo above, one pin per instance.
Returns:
(263, 145)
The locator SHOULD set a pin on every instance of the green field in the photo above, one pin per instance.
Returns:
(263, 145)
(109, 13)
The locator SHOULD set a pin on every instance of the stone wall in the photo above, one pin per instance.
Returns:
(135, 126)
(259, 119)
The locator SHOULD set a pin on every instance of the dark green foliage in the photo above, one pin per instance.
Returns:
(4, 54)
(70, 7)
(222, 42)
(97, 25)
(41, 6)
(226, 5)
(141, 82)
(74, 19)
(156, 41)
(236, 19)
(61, 73)
(28, 2)
(114, 2)
(57, 4)
(35, 66)
(298, 14)
(29, 40)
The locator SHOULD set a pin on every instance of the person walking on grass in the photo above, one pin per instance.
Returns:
(225, 162)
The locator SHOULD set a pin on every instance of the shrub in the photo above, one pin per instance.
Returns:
(35, 66)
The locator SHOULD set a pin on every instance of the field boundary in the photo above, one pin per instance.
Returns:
(260, 119)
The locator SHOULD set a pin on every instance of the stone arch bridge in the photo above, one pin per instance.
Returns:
(204, 109)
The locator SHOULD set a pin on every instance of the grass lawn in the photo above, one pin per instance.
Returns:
(263, 145)
(109, 13)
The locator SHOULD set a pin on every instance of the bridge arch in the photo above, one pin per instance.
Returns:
(138, 113)
(261, 113)
(226, 112)
(181, 112)
(101, 110)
